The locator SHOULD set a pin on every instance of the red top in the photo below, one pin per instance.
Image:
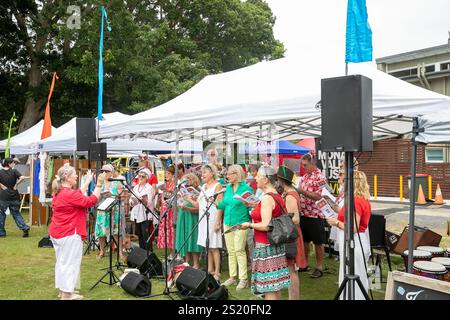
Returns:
(69, 213)
(362, 209)
(253, 185)
(261, 236)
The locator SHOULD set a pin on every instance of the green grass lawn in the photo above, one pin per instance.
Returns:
(27, 273)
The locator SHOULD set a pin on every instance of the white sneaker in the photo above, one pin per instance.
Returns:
(242, 284)
(229, 282)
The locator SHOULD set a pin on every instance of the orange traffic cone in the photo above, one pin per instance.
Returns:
(421, 196)
(438, 199)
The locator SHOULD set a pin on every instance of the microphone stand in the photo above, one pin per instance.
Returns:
(214, 197)
(147, 210)
(166, 291)
(119, 231)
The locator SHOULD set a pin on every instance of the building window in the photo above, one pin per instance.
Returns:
(430, 68)
(436, 154)
(445, 66)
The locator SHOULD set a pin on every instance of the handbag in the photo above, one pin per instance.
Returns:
(281, 229)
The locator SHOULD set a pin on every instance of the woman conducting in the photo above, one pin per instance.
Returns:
(68, 227)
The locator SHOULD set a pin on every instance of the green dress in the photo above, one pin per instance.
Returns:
(185, 222)
(102, 221)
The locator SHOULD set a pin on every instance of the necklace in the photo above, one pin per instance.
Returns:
(140, 189)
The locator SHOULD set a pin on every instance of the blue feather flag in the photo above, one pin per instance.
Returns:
(100, 65)
(359, 35)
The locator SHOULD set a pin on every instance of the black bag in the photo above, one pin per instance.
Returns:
(281, 229)
(45, 242)
(291, 250)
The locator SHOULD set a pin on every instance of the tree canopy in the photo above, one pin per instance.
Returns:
(156, 50)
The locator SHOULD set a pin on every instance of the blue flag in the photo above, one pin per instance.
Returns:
(359, 35)
(100, 66)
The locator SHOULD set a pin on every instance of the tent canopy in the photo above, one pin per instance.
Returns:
(64, 140)
(279, 147)
(21, 143)
(436, 128)
(272, 100)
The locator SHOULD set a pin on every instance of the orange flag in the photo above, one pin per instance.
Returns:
(47, 127)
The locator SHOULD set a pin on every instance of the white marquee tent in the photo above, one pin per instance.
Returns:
(22, 142)
(436, 128)
(64, 140)
(280, 96)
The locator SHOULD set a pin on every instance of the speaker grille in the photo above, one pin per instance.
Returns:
(347, 114)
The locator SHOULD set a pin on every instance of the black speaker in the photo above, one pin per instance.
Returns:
(192, 282)
(138, 259)
(136, 284)
(86, 133)
(347, 114)
(377, 230)
(98, 151)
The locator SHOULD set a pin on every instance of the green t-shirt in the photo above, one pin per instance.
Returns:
(234, 211)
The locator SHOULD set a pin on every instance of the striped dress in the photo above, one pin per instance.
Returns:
(269, 265)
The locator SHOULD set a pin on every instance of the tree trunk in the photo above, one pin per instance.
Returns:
(33, 111)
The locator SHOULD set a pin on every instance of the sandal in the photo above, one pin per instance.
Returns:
(73, 296)
(100, 255)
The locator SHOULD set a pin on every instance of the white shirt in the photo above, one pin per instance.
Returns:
(138, 213)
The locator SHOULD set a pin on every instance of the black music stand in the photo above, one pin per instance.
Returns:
(107, 205)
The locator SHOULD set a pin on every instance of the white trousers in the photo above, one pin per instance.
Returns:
(360, 268)
(68, 251)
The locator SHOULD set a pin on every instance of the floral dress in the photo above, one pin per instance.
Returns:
(166, 223)
(103, 217)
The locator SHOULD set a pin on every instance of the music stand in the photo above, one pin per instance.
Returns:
(108, 205)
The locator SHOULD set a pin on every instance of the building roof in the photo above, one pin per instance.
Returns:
(416, 54)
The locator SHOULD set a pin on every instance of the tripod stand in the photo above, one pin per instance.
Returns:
(350, 279)
(113, 278)
(91, 236)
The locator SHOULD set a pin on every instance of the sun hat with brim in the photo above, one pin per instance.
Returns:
(107, 167)
(145, 171)
(285, 173)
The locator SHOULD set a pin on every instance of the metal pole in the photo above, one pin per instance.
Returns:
(349, 223)
(412, 192)
(175, 213)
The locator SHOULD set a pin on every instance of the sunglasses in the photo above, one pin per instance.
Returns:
(103, 171)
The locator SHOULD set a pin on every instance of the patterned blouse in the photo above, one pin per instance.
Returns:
(310, 182)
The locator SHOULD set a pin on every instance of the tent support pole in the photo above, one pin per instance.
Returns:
(177, 151)
(412, 193)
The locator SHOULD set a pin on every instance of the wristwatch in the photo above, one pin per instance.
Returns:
(250, 225)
